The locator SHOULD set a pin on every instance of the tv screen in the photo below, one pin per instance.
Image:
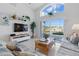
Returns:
(20, 27)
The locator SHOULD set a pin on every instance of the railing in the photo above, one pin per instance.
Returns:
(58, 38)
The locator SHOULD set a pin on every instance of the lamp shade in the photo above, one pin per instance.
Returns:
(75, 27)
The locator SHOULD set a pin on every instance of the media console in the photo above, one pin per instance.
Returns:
(20, 38)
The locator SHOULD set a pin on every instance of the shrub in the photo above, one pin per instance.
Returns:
(58, 33)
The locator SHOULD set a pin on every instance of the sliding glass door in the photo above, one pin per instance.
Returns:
(53, 27)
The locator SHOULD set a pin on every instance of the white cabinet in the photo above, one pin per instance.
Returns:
(19, 39)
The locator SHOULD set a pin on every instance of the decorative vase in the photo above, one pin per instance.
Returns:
(14, 16)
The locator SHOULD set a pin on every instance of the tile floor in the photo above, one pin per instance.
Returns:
(30, 46)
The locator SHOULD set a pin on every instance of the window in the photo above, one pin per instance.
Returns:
(53, 27)
(52, 9)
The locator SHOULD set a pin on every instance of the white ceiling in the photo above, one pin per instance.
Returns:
(33, 6)
(11, 8)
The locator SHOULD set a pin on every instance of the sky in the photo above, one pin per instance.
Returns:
(54, 22)
(58, 8)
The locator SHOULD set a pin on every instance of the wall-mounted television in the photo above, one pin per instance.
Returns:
(20, 27)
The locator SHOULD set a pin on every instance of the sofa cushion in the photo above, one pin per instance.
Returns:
(12, 47)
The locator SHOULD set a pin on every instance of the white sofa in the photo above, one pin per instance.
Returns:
(68, 49)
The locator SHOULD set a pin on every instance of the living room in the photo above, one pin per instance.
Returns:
(22, 31)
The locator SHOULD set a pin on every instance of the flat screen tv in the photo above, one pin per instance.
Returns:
(20, 27)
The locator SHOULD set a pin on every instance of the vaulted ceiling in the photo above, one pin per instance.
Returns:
(33, 6)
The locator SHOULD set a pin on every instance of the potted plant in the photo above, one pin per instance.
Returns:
(32, 25)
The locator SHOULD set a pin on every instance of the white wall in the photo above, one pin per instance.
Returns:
(71, 16)
(8, 10)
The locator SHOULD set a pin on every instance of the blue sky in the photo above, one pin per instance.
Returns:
(59, 8)
(54, 22)
(50, 8)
